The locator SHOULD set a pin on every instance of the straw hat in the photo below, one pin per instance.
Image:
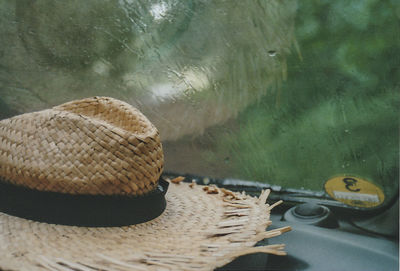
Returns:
(81, 190)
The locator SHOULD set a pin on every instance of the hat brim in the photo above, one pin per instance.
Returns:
(199, 230)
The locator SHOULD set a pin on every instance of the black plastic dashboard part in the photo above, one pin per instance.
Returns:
(315, 248)
(312, 248)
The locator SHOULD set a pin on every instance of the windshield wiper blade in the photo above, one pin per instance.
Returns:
(290, 196)
(250, 186)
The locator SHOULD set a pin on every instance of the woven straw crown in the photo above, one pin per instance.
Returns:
(92, 146)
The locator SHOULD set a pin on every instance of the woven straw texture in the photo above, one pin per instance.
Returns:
(202, 228)
(92, 146)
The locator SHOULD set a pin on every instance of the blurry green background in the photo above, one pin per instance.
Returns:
(284, 92)
(337, 113)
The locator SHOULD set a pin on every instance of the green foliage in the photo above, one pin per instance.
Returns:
(338, 111)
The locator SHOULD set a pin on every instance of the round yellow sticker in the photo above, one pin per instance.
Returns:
(354, 191)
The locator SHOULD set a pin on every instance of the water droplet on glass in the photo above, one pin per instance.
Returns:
(272, 53)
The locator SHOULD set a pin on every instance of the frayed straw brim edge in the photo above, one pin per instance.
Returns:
(169, 262)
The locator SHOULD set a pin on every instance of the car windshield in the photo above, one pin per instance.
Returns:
(295, 94)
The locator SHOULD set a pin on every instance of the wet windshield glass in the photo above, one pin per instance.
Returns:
(283, 92)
